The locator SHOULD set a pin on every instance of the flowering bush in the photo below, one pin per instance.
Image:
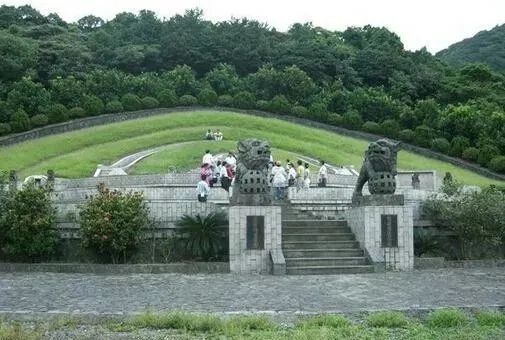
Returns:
(112, 222)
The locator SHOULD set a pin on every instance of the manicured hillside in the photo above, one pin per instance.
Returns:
(76, 154)
(486, 47)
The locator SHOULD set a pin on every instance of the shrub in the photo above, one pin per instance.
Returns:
(423, 135)
(28, 224)
(279, 104)
(425, 242)
(371, 127)
(5, 129)
(318, 111)
(262, 105)
(57, 113)
(188, 100)
(92, 105)
(387, 320)
(406, 135)
(458, 145)
(335, 119)
(486, 154)
(390, 128)
(498, 164)
(446, 318)
(203, 235)
(39, 120)
(470, 154)
(440, 145)
(244, 100)
(330, 321)
(299, 111)
(77, 112)
(225, 100)
(490, 319)
(112, 222)
(131, 102)
(207, 97)
(114, 106)
(167, 98)
(352, 120)
(20, 121)
(150, 103)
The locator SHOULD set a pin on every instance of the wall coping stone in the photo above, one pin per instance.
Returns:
(378, 200)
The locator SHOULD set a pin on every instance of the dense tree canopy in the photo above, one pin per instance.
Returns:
(361, 78)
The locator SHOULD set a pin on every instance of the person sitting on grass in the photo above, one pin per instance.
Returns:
(218, 135)
(209, 135)
(202, 189)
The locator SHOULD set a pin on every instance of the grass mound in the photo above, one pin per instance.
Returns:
(76, 154)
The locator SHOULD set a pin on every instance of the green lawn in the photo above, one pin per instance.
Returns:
(76, 154)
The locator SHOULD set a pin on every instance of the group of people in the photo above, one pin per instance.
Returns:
(299, 176)
(213, 171)
(214, 135)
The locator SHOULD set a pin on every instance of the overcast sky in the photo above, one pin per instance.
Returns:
(432, 23)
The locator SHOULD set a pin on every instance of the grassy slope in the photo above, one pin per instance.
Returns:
(76, 154)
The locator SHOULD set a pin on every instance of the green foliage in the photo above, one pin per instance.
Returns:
(423, 135)
(244, 100)
(182, 80)
(92, 105)
(207, 97)
(458, 145)
(5, 129)
(77, 112)
(279, 104)
(112, 222)
(477, 219)
(223, 79)
(17, 55)
(20, 121)
(387, 320)
(406, 135)
(440, 145)
(486, 154)
(150, 103)
(131, 102)
(447, 318)
(324, 320)
(318, 111)
(300, 111)
(187, 100)
(39, 120)
(498, 164)
(114, 106)
(28, 224)
(470, 154)
(225, 100)
(352, 120)
(335, 119)
(57, 113)
(203, 235)
(262, 105)
(167, 98)
(490, 318)
(371, 127)
(390, 128)
(425, 242)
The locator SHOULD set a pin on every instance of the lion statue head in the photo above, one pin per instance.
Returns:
(253, 153)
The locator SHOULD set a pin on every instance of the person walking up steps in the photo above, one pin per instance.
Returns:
(322, 177)
(306, 176)
(279, 180)
(291, 174)
(299, 175)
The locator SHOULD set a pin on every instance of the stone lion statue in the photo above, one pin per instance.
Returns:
(251, 173)
(379, 168)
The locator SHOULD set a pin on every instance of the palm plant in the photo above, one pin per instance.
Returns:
(204, 236)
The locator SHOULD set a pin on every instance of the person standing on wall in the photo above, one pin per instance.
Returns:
(322, 177)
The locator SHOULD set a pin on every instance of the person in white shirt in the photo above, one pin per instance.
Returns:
(279, 180)
(208, 158)
(202, 189)
(291, 174)
(306, 177)
(231, 160)
(322, 177)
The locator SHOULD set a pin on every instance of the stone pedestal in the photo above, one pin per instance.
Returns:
(384, 227)
(256, 240)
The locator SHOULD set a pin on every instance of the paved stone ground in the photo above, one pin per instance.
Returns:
(34, 293)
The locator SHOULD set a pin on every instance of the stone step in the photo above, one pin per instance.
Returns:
(302, 245)
(322, 223)
(329, 270)
(294, 253)
(315, 229)
(318, 237)
(325, 261)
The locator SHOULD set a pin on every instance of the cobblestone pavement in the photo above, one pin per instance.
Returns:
(124, 294)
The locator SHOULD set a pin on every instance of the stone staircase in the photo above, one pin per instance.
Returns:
(314, 246)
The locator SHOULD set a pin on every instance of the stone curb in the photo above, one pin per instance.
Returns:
(93, 268)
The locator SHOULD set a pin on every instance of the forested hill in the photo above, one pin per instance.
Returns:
(361, 78)
(486, 47)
